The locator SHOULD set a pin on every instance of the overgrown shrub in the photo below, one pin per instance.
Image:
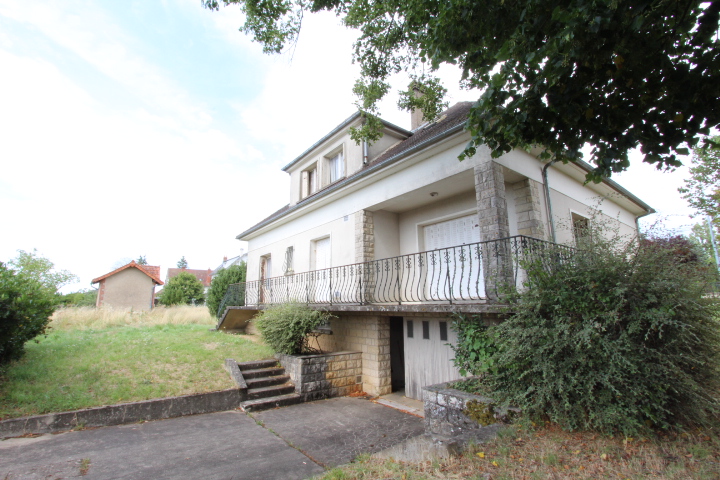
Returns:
(183, 289)
(475, 346)
(219, 286)
(285, 327)
(618, 338)
(25, 309)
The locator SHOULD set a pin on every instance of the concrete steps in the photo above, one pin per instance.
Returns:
(267, 386)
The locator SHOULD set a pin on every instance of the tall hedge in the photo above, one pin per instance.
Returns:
(618, 339)
(25, 309)
(220, 283)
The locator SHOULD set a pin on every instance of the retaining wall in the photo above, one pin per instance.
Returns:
(324, 375)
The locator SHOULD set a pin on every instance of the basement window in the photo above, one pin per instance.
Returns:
(410, 329)
(426, 330)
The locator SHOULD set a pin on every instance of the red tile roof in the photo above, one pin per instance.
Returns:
(150, 270)
(205, 276)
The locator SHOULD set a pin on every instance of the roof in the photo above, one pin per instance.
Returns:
(229, 262)
(205, 276)
(450, 122)
(339, 128)
(150, 270)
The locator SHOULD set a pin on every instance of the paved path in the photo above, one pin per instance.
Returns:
(289, 443)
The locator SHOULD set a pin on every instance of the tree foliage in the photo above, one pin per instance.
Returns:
(41, 269)
(616, 75)
(702, 189)
(220, 283)
(616, 338)
(25, 308)
(82, 298)
(182, 263)
(183, 289)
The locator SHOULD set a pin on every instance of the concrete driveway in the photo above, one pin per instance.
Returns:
(295, 442)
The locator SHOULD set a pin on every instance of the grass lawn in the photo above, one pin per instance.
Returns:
(92, 358)
(548, 452)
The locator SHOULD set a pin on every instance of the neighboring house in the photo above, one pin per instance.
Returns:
(229, 262)
(205, 276)
(394, 237)
(131, 286)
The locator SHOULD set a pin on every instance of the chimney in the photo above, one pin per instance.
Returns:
(416, 116)
(225, 258)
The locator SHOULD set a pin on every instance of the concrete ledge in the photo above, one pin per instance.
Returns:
(234, 370)
(156, 409)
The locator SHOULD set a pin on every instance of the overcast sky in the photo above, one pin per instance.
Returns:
(156, 128)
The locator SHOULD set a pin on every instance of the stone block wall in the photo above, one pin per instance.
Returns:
(324, 375)
(528, 209)
(451, 413)
(369, 335)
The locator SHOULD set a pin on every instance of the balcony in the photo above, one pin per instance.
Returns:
(470, 277)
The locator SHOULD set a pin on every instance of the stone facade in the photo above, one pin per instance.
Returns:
(324, 375)
(491, 201)
(527, 208)
(452, 413)
(369, 335)
(364, 237)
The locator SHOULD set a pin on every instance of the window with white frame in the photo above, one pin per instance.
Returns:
(336, 166)
(581, 227)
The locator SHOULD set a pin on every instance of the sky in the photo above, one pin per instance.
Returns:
(156, 128)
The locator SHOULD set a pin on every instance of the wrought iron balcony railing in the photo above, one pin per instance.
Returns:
(473, 273)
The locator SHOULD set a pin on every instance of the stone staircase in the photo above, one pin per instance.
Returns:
(267, 386)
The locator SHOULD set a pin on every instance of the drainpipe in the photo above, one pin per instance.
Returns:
(548, 202)
(365, 152)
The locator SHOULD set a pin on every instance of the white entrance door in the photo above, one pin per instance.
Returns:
(322, 275)
(454, 266)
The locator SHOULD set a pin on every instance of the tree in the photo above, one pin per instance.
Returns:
(702, 189)
(42, 270)
(82, 298)
(220, 283)
(183, 289)
(616, 75)
(25, 308)
(141, 260)
(182, 263)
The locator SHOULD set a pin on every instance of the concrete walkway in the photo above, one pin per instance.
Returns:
(294, 442)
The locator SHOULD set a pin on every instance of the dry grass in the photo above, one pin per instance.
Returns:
(83, 318)
(550, 453)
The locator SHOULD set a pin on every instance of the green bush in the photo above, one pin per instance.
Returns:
(285, 327)
(618, 338)
(25, 309)
(475, 347)
(219, 286)
(183, 289)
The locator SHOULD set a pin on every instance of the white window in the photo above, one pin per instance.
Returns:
(288, 265)
(336, 166)
(581, 227)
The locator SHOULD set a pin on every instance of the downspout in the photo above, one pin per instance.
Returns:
(365, 152)
(548, 202)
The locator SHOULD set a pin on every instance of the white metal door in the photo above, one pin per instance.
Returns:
(455, 270)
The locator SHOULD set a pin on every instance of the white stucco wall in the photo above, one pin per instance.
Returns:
(399, 197)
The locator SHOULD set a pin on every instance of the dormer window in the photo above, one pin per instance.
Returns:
(336, 166)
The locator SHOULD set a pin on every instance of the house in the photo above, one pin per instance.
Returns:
(395, 236)
(229, 262)
(131, 286)
(205, 276)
